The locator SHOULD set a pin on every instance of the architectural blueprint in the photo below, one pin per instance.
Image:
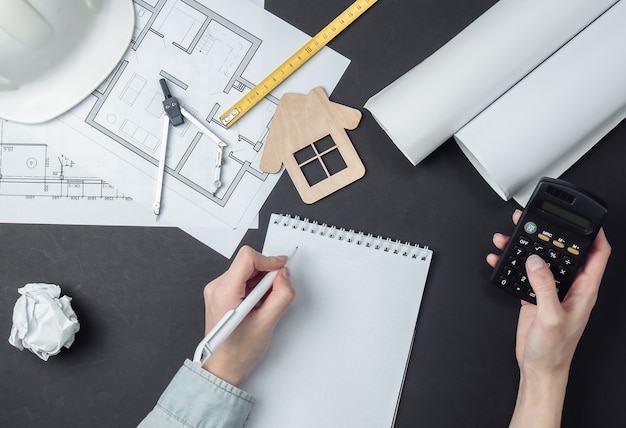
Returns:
(40, 185)
(210, 53)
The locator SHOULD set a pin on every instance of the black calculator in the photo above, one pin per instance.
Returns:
(559, 224)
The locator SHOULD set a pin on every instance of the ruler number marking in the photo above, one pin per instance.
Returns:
(297, 59)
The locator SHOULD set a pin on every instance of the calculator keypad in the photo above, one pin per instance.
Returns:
(560, 255)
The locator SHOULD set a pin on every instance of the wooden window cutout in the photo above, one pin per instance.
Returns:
(320, 160)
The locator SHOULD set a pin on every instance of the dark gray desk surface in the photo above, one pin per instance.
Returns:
(138, 291)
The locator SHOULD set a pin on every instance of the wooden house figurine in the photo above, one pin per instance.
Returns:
(308, 135)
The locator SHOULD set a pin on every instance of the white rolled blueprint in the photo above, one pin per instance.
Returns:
(432, 101)
(43, 322)
(553, 116)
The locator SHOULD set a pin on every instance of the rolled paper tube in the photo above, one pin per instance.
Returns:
(432, 101)
(553, 116)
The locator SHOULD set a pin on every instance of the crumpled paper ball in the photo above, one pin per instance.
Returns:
(43, 322)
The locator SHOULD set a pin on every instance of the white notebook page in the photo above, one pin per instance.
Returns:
(339, 355)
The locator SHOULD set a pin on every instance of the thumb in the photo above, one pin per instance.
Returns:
(542, 281)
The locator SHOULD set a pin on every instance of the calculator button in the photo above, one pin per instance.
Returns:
(562, 271)
(538, 247)
(522, 278)
(568, 261)
(574, 251)
(559, 243)
(518, 251)
(530, 227)
(504, 282)
(543, 237)
(553, 255)
(508, 271)
(522, 240)
(513, 261)
(553, 267)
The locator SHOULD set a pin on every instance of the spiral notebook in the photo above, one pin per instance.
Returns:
(339, 355)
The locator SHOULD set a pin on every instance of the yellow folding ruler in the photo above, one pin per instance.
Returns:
(294, 62)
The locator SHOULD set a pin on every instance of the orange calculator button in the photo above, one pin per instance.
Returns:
(573, 251)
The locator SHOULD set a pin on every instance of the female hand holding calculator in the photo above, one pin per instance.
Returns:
(548, 332)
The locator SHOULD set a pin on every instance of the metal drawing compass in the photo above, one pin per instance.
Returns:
(174, 114)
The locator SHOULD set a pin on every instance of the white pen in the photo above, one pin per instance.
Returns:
(229, 322)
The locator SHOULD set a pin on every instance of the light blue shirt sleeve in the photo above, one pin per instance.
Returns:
(197, 398)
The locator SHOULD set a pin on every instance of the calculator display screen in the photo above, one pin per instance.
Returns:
(565, 214)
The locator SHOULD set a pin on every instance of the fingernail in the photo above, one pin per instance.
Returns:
(282, 258)
(534, 262)
(286, 272)
(518, 211)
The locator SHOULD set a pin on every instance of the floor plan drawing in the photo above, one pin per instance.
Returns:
(40, 185)
(27, 170)
(128, 105)
(210, 53)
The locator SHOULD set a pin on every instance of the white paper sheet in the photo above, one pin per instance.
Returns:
(431, 102)
(115, 133)
(554, 115)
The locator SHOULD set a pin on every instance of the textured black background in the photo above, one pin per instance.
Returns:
(138, 291)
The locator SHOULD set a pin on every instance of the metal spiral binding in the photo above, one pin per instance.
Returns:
(350, 236)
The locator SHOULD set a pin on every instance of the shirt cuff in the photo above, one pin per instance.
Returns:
(197, 398)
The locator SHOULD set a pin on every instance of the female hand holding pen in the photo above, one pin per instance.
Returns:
(207, 394)
(243, 349)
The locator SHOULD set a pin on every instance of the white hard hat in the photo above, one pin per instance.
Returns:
(54, 53)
